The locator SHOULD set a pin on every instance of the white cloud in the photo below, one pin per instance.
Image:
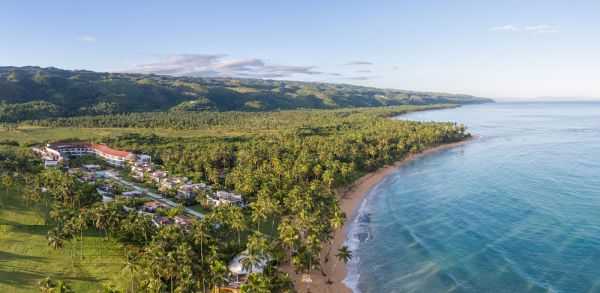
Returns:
(534, 29)
(88, 39)
(358, 62)
(216, 65)
(505, 28)
(543, 29)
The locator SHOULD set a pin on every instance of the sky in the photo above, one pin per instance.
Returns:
(499, 49)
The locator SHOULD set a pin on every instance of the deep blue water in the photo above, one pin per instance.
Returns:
(517, 210)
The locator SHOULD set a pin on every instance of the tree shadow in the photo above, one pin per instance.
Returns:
(19, 279)
(10, 226)
(9, 256)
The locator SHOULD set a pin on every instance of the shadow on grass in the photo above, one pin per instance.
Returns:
(19, 279)
(10, 226)
(9, 256)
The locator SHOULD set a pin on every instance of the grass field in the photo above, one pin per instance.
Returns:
(25, 258)
(27, 134)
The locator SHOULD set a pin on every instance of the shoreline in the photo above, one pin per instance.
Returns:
(351, 198)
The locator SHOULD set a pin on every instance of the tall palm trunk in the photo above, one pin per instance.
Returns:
(272, 225)
(131, 276)
(330, 245)
(331, 273)
(81, 244)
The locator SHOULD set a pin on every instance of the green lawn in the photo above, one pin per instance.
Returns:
(25, 258)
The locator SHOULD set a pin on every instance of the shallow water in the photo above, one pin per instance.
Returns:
(517, 210)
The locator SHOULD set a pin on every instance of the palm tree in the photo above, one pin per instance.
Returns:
(169, 268)
(100, 222)
(80, 224)
(55, 239)
(217, 272)
(336, 222)
(46, 285)
(249, 259)
(109, 288)
(7, 181)
(236, 220)
(200, 234)
(288, 236)
(255, 284)
(259, 212)
(130, 266)
(313, 246)
(68, 232)
(61, 287)
(344, 254)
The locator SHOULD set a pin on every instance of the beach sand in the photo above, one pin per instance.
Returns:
(350, 199)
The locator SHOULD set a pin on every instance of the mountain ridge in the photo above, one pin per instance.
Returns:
(32, 92)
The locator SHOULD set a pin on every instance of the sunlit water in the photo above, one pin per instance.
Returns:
(518, 210)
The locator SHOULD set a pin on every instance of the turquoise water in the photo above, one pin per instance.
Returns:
(518, 210)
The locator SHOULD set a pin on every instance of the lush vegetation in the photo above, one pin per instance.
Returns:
(287, 164)
(38, 93)
(25, 257)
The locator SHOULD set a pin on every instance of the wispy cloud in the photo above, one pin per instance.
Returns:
(360, 77)
(352, 63)
(505, 28)
(543, 29)
(217, 65)
(364, 71)
(534, 29)
(88, 39)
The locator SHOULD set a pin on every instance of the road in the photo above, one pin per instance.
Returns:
(151, 194)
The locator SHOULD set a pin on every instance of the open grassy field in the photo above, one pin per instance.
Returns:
(27, 134)
(25, 258)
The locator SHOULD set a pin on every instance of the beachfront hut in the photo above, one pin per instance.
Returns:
(237, 269)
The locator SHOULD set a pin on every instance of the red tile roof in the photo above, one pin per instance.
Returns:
(109, 151)
(102, 148)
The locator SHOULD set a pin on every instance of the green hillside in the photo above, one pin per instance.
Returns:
(37, 93)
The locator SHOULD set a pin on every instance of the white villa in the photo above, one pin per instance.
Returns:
(224, 197)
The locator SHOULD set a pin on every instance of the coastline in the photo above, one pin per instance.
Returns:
(351, 198)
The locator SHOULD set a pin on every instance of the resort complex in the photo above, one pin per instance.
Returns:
(62, 151)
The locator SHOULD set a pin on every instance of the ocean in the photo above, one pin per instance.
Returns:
(517, 210)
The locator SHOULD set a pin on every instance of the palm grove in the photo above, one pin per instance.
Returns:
(289, 172)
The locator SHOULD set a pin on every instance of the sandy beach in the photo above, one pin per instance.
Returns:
(351, 198)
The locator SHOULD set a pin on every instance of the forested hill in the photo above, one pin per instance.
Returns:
(28, 93)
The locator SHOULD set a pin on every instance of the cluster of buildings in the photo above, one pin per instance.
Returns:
(182, 188)
(149, 208)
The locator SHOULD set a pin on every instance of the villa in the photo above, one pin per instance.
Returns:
(184, 221)
(168, 184)
(188, 192)
(224, 197)
(158, 175)
(153, 206)
(131, 194)
(140, 169)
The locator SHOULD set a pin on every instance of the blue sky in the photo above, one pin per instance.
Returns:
(502, 48)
